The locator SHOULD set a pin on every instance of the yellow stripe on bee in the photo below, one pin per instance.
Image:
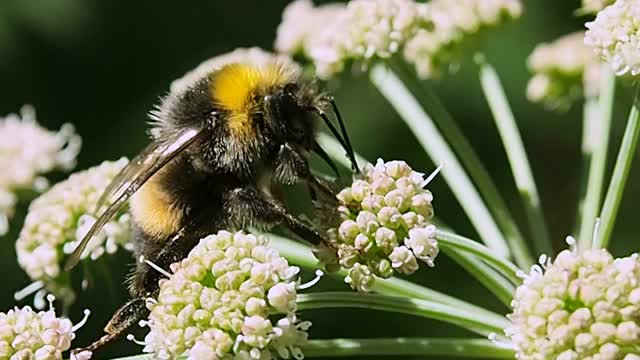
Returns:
(154, 210)
(234, 86)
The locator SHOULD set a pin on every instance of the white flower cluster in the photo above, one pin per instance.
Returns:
(27, 151)
(437, 46)
(302, 25)
(384, 225)
(615, 35)
(582, 306)
(593, 6)
(26, 334)
(364, 30)
(361, 31)
(232, 297)
(564, 70)
(58, 219)
(254, 56)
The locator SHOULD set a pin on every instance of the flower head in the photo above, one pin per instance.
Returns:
(26, 334)
(23, 166)
(436, 47)
(385, 225)
(59, 218)
(615, 36)
(362, 31)
(428, 35)
(564, 70)
(583, 305)
(302, 24)
(232, 296)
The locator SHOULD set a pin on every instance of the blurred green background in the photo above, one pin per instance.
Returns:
(101, 65)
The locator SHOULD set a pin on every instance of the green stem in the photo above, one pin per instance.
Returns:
(471, 163)
(421, 347)
(434, 144)
(619, 177)
(486, 275)
(459, 243)
(301, 255)
(600, 137)
(590, 137)
(410, 306)
(459, 347)
(516, 154)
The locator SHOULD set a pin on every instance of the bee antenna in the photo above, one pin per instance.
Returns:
(331, 127)
(349, 148)
(323, 155)
(334, 131)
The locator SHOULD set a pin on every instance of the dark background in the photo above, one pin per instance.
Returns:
(101, 65)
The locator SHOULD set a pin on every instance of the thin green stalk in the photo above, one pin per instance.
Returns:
(459, 243)
(619, 177)
(458, 347)
(590, 134)
(471, 163)
(516, 154)
(301, 255)
(471, 348)
(600, 132)
(405, 305)
(486, 275)
(434, 144)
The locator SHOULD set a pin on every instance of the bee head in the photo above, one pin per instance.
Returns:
(286, 109)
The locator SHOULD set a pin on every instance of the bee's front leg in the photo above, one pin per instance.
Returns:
(250, 207)
(292, 167)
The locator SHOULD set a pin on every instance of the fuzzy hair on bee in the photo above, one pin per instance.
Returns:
(221, 143)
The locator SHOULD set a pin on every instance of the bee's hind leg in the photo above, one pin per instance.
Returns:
(123, 319)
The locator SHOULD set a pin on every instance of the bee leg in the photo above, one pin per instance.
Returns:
(292, 166)
(176, 248)
(127, 315)
(145, 281)
(251, 204)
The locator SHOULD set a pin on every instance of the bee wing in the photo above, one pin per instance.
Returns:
(132, 177)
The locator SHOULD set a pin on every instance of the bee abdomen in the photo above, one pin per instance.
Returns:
(156, 211)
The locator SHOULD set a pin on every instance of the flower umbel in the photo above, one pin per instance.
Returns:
(232, 296)
(23, 166)
(615, 36)
(428, 35)
(385, 225)
(564, 70)
(302, 24)
(583, 305)
(26, 334)
(451, 24)
(59, 218)
(362, 31)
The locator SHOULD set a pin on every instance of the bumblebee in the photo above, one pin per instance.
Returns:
(223, 142)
